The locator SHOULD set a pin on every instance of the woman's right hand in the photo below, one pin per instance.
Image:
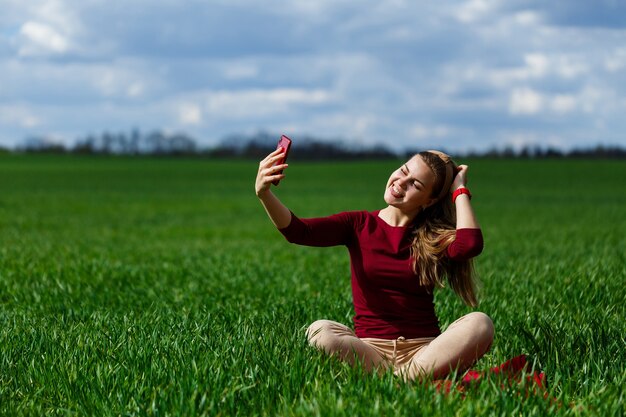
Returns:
(268, 172)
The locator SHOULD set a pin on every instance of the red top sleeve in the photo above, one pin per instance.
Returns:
(467, 244)
(334, 230)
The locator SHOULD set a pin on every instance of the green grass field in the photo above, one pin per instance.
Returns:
(159, 287)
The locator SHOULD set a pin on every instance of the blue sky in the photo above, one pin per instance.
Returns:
(454, 74)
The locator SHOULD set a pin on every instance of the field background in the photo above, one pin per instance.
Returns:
(133, 286)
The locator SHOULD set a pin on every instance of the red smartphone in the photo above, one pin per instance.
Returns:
(284, 143)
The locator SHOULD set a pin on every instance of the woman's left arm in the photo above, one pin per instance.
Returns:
(469, 238)
(465, 217)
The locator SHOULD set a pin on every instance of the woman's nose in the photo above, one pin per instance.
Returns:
(403, 180)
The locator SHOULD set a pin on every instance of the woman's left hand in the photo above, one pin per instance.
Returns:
(460, 180)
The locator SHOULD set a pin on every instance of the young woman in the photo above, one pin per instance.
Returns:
(426, 235)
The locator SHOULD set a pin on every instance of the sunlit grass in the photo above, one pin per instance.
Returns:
(159, 287)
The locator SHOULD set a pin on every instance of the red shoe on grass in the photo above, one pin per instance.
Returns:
(510, 372)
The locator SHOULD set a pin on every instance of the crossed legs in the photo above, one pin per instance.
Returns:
(336, 339)
(457, 348)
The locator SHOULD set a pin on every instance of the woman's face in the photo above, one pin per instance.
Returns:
(410, 186)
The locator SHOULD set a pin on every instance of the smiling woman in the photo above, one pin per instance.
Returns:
(399, 255)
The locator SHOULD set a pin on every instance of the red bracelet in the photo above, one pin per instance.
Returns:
(460, 191)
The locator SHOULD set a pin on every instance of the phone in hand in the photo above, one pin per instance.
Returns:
(285, 143)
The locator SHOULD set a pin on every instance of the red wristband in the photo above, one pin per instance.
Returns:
(460, 191)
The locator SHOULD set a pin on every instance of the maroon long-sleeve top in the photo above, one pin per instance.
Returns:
(388, 300)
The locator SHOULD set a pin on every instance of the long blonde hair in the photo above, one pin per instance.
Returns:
(435, 230)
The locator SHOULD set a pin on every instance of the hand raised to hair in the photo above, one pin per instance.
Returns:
(460, 180)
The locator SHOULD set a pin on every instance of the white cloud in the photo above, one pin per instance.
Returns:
(518, 140)
(29, 121)
(240, 71)
(420, 131)
(42, 28)
(527, 18)
(601, 101)
(569, 66)
(334, 68)
(107, 82)
(121, 79)
(594, 99)
(311, 9)
(135, 89)
(190, 114)
(40, 39)
(616, 61)
(474, 10)
(525, 101)
(563, 103)
(536, 65)
(254, 102)
(361, 127)
(56, 13)
(18, 115)
(400, 34)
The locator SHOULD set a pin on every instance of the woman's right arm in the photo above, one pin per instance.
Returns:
(324, 231)
(278, 213)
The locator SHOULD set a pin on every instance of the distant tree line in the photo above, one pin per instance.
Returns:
(258, 145)
(154, 143)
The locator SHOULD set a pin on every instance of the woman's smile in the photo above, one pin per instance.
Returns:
(396, 191)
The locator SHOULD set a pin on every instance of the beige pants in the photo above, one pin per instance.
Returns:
(457, 348)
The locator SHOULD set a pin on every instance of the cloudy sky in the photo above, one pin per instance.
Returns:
(454, 74)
